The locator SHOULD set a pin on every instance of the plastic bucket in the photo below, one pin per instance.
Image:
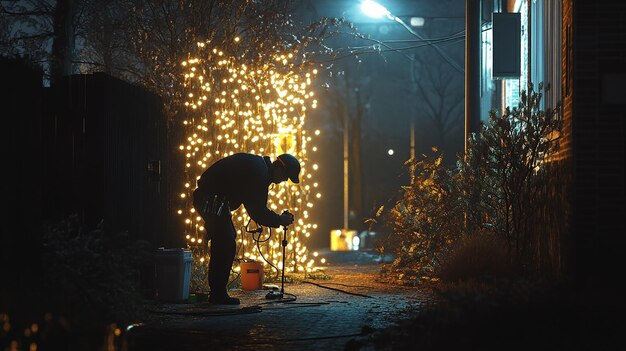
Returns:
(251, 275)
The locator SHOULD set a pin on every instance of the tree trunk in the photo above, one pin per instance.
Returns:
(63, 40)
(107, 41)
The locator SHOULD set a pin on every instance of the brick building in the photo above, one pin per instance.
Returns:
(579, 48)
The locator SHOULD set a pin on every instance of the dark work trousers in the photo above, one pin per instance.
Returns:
(221, 232)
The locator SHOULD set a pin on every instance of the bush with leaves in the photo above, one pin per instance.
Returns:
(508, 173)
(428, 218)
(504, 185)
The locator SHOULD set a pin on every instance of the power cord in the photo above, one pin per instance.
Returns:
(259, 230)
(273, 295)
(339, 290)
(253, 308)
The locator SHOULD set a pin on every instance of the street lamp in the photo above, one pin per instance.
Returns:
(376, 10)
(472, 57)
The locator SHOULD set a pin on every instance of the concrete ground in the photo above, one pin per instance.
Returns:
(319, 319)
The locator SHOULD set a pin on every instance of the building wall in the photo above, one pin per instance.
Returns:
(588, 173)
(594, 108)
(566, 154)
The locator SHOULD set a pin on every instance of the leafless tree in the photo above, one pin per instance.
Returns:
(440, 101)
(27, 29)
(144, 41)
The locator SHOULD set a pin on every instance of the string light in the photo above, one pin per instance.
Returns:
(260, 109)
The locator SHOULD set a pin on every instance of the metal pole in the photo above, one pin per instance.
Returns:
(412, 177)
(345, 173)
(282, 283)
(412, 138)
(472, 67)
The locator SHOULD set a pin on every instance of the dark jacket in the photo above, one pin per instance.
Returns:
(243, 179)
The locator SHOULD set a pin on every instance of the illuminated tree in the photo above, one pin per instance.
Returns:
(260, 108)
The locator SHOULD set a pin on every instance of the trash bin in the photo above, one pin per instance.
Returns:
(172, 274)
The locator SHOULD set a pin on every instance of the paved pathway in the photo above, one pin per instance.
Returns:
(320, 318)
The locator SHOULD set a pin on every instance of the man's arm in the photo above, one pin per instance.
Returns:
(256, 205)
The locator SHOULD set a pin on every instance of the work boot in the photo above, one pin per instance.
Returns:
(223, 300)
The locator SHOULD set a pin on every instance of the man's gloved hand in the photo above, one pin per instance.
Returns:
(286, 218)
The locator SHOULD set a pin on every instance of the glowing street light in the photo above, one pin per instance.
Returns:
(375, 10)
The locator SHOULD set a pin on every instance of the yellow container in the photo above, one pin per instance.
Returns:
(251, 275)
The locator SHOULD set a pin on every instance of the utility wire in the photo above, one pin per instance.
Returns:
(429, 41)
(421, 43)
(438, 49)
(352, 54)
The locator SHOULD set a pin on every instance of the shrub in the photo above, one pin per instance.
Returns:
(428, 218)
(92, 277)
(481, 257)
(508, 175)
(506, 184)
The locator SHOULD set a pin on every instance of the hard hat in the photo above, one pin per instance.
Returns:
(291, 165)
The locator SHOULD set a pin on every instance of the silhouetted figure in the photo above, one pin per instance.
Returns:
(230, 182)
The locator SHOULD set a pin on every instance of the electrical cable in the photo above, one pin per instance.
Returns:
(352, 54)
(389, 48)
(349, 286)
(275, 340)
(257, 307)
(258, 247)
(235, 278)
(325, 337)
(221, 312)
(290, 300)
(259, 230)
(454, 37)
(339, 290)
